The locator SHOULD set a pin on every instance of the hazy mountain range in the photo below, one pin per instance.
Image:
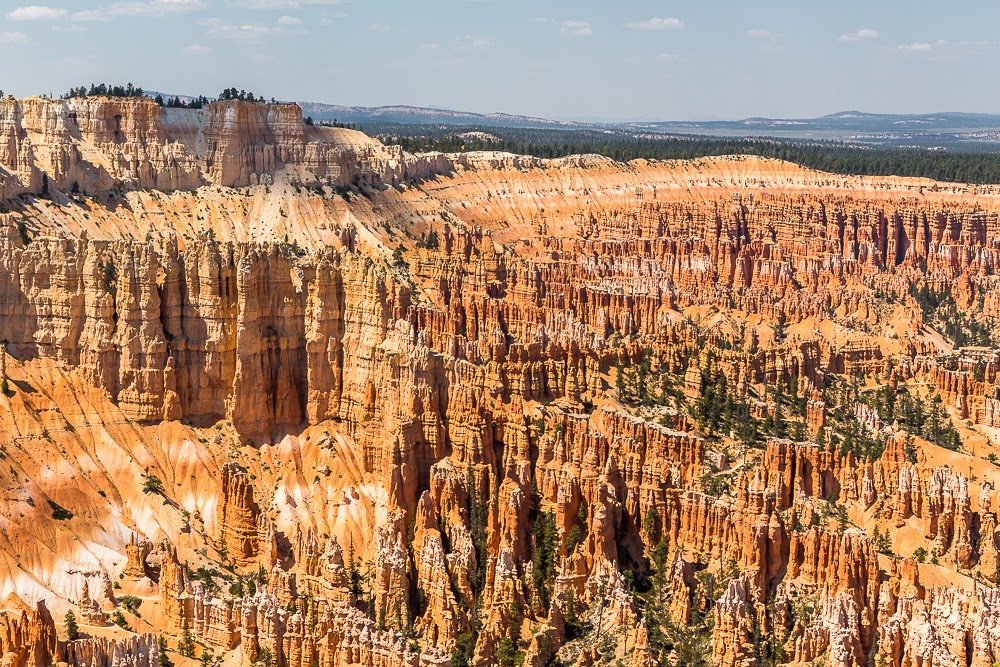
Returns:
(926, 130)
(976, 131)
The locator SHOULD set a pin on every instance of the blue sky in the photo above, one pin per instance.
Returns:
(612, 59)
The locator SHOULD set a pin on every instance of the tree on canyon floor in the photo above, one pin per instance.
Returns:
(508, 654)
(465, 648)
(185, 645)
(162, 659)
(671, 642)
(119, 619)
(130, 603)
(72, 629)
(265, 658)
(942, 313)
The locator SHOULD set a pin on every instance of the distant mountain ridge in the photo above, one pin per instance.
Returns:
(857, 121)
(422, 115)
(837, 123)
(942, 130)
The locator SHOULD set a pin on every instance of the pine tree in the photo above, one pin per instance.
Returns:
(186, 645)
(651, 525)
(465, 647)
(570, 613)
(119, 619)
(72, 629)
(265, 658)
(507, 653)
(163, 660)
(544, 569)
(397, 255)
(353, 574)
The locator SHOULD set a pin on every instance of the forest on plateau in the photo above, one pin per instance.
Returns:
(982, 167)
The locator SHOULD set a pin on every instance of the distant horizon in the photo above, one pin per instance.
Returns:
(611, 120)
(151, 92)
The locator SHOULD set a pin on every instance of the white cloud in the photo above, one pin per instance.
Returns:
(13, 38)
(330, 19)
(146, 8)
(757, 33)
(36, 13)
(196, 50)
(667, 57)
(379, 27)
(279, 4)
(91, 15)
(289, 21)
(948, 49)
(576, 28)
(264, 4)
(863, 33)
(656, 24)
(469, 43)
(915, 47)
(244, 32)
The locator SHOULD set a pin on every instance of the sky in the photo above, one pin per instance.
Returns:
(566, 59)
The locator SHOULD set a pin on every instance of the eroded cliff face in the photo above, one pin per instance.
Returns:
(310, 401)
(95, 145)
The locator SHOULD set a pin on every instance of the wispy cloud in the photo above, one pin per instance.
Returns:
(263, 4)
(576, 28)
(147, 8)
(13, 38)
(667, 57)
(469, 43)
(330, 19)
(916, 47)
(289, 21)
(757, 33)
(656, 24)
(379, 27)
(217, 28)
(944, 47)
(279, 4)
(863, 33)
(196, 50)
(36, 13)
